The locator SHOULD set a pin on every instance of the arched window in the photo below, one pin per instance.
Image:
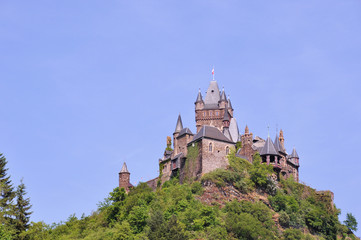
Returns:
(227, 150)
(210, 147)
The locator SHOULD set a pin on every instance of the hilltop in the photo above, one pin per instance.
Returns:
(243, 201)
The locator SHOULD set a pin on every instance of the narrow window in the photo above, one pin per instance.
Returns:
(217, 113)
(227, 150)
(204, 114)
(210, 147)
(210, 114)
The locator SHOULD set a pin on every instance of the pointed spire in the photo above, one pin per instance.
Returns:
(223, 95)
(212, 95)
(179, 125)
(277, 144)
(294, 153)
(246, 131)
(229, 103)
(199, 97)
(124, 168)
(268, 148)
(227, 116)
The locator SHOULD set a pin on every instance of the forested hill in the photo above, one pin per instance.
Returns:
(242, 202)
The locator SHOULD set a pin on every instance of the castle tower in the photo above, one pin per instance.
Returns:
(199, 101)
(296, 162)
(226, 122)
(124, 178)
(282, 141)
(210, 110)
(230, 108)
(270, 155)
(178, 128)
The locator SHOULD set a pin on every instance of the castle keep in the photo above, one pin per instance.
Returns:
(217, 134)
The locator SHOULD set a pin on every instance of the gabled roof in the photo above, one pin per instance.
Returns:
(268, 148)
(185, 131)
(223, 96)
(179, 125)
(294, 153)
(124, 168)
(233, 129)
(199, 97)
(212, 96)
(211, 133)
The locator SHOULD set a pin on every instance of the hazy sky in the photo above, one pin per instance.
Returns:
(87, 85)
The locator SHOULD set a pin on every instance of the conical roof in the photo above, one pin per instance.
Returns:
(268, 148)
(212, 96)
(229, 103)
(124, 168)
(179, 125)
(227, 116)
(199, 97)
(294, 153)
(277, 144)
(223, 96)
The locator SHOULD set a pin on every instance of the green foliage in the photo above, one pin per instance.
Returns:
(238, 146)
(197, 188)
(351, 222)
(292, 234)
(259, 172)
(7, 195)
(22, 210)
(191, 162)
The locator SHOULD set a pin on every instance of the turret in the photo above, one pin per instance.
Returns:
(223, 103)
(270, 155)
(178, 128)
(124, 178)
(282, 141)
(199, 101)
(226, 118)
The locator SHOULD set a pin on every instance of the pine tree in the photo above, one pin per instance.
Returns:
(22, 213)
(6, 194)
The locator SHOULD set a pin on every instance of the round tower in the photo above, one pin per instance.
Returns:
(124, 178)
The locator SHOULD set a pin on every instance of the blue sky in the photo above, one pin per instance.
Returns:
(88, 85)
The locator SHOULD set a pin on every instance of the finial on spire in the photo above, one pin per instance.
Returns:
(213, 72)
(268, 130)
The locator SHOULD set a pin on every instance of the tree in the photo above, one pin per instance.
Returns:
(22, 213)
(350, 222)
(6, 194)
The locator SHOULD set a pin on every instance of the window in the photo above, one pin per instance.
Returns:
(204, 114)
(210, 113)
(210, 147)
(217, 113)
(227, 150)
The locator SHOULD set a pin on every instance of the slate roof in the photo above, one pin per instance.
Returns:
(268, 148)
(179, 125)
(212, 96)
(185, 131)
(227, 116)
(211, 106)
(233, 129)
(277, 144)
(211, 133)
(199, 97)
(294, 153)
(223, 96)
(227, 133)
(229, 104)
(124, 168)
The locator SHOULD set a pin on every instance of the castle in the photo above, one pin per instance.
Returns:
(217, 134)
